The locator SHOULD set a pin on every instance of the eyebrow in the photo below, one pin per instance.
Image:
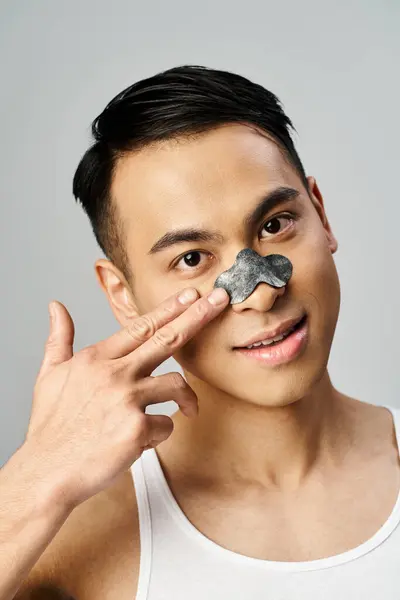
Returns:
(267, 203)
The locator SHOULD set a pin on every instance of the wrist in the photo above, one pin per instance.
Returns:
(41, 485)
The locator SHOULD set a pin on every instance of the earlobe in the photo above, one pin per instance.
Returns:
(332, 242)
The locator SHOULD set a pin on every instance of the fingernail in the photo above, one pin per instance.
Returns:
(217, 296)
(188, 296)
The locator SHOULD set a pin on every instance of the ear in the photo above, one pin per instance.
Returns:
(117, 291)
(318, 202)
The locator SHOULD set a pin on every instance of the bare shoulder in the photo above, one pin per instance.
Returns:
(96, 552)
(376, 429)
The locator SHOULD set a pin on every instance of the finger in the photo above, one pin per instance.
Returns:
(59, 344)
(160, 428)
(162, 388)
(142, 328)
(174, 335)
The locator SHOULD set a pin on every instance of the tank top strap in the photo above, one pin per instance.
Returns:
(145, 528)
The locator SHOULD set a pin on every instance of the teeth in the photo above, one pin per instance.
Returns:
(272, 340)
(255, 345)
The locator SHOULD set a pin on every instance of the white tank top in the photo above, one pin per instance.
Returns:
(178, 562)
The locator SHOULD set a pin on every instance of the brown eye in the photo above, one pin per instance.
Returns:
(273, 226)
(191, 259)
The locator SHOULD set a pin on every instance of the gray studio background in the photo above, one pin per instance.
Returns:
(334, 65)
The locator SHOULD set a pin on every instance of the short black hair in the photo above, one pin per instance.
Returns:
(181, 101)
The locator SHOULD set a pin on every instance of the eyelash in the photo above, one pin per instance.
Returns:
(291, 217)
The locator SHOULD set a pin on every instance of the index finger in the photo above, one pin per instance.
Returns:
(172, 336)
(143, 327)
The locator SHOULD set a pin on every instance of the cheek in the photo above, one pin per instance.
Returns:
(201, 349)
(313, 260)
(317, 284)
(150, 293)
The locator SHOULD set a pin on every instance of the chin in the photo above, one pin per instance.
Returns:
(281, 393)
(283, 385)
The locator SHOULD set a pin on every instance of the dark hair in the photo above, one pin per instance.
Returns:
(181, 101)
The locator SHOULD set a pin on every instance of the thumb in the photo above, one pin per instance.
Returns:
(59, 344)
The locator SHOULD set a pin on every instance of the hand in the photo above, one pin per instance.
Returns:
(88, 420)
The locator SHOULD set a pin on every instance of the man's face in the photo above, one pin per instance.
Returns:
(213, 182)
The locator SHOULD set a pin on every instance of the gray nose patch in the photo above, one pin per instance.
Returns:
(250, 269)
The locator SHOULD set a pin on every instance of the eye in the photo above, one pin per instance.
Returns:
(272, 225)
(191, 259)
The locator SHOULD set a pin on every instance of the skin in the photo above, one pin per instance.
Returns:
(282, 437)
(267, 421)
(278, 464)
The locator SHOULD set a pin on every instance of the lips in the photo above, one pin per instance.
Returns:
(279, 353)
(281, 329)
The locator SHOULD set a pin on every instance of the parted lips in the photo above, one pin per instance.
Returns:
(250, 269)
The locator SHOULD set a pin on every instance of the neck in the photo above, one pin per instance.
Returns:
(276, 446)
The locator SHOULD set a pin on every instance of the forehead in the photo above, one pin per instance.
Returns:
(206, 180)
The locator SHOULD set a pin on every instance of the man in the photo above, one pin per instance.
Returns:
(280, 486)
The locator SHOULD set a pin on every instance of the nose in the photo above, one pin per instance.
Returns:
(250, 269)
(262, 298)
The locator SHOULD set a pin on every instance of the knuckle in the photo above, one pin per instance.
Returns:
(88, 354)
(51, 341)
(140, 423)
(133, 395)
(177, 381)
(202, 309)
(169, 310)
(142, 328)
(114, 372)
(167, 336)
